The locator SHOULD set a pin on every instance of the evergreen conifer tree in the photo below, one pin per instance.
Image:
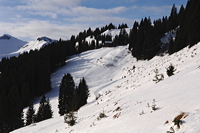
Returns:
(84, 92)
(66, 93)
(30, 114)
(48, 113)
(44, 111)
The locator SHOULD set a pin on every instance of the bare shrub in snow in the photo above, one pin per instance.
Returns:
(101, 115)
(170, 70)
(177, 120)
(70, 118)
(172, 130)
(158, 77)
(141, 112)
(98, 96)
(117, 115)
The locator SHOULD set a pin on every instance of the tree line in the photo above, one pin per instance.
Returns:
(144, 37)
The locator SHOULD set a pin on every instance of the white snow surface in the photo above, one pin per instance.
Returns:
(9, 44)
(114, 32)
(90, 39)
(127, 94)
(35, 45)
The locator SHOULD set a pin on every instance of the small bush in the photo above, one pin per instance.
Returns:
(158, 77)
(154, 108)
(172, 130)
(170, 70)
(177, 120)
(70, 118)
(101, 115)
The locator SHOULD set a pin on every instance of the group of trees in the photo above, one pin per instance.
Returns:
(189, 29)
(97, 34)
(145, 36)
(11, 120)
(44, 112)
(28, 76)
(71, 98)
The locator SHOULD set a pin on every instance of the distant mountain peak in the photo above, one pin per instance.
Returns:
(45, 39)
(5, 37)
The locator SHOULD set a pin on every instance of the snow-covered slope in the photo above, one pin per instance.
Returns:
(9, 44)
(114, 32)
(35, 45)
(126, 93)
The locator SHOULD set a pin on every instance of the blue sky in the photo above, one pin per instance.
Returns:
(30, 19)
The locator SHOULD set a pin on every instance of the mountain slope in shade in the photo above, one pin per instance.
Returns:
(35, 45)
(123, 88)
(9, 44)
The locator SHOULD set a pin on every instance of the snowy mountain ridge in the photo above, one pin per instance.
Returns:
(123, 88)
(9, 44)
(5, 36)
(36, 44)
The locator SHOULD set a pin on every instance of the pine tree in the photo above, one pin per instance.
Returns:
(48, 113)
(21, 122)
(84, 92)
(66, 93)
(170, 70)
(40, 115)
(70, 118)
(173, 18)
(123, 37)
(15, 109)
(44, 111)
(30, 114)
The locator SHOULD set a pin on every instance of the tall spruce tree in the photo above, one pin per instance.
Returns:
(66, 93)
(83, 92)
(44, 110)
(30, 114)
(48, 113)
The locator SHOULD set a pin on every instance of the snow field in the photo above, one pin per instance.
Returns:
(126, 94)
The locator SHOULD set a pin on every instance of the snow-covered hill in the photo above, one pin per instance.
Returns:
(35, 45)
(9, 44)
(114, 32)
(125, 91)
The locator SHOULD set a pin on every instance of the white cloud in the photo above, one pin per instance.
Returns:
(80, 11)
(156, 9)
(46, 4)
(100, 20)
(63, 18)
(53, 9)
(48, 14)
(35, 28)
